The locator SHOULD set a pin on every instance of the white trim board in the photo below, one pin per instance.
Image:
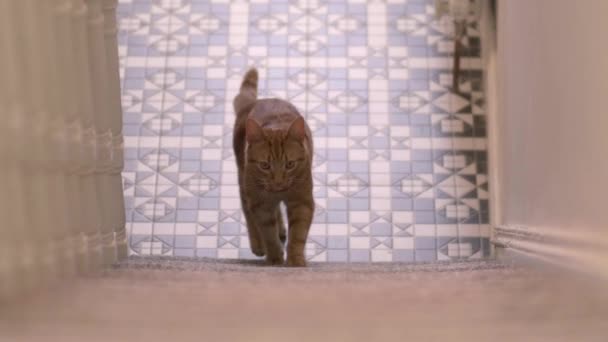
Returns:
(577, 250)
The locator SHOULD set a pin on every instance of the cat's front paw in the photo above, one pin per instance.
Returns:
(276, 260)
(258, 251)
(296, 261)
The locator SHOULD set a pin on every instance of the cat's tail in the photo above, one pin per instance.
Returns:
(248, 93)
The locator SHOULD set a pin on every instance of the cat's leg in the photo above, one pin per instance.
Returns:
(281, 223)
(265, 218)
(255, 240)
(300, 214)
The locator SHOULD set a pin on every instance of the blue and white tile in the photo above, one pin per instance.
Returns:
(400, 161)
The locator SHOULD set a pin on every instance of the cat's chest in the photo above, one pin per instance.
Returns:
(278, 197)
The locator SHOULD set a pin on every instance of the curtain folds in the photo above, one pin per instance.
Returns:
(61, 201)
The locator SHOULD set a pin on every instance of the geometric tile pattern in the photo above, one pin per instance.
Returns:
(400, 168)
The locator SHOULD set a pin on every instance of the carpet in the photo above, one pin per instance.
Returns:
(172, 299)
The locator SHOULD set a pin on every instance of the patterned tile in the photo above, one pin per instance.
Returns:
(400, 162)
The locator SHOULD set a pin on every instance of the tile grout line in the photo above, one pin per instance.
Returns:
(160, 137)
(129, 213)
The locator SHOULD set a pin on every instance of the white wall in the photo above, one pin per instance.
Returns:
(552, 119)
(554, 123)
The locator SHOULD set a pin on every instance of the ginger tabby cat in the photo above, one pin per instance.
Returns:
(273, 148)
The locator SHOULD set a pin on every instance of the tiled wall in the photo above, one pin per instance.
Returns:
(400, 161)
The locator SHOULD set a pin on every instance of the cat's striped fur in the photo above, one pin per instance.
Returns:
(273, 148)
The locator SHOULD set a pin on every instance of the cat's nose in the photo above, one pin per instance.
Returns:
(280, 186)
(280, 182)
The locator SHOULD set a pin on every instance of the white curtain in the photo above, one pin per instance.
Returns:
(61, 201)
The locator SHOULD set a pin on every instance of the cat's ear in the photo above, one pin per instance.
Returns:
(253, 131)
(297, 130)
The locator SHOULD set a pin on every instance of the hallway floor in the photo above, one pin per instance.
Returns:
(178, 300)
(400, 163)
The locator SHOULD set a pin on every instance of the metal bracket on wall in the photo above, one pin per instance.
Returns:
(460, 11)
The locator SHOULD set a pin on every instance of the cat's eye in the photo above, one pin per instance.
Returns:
(264, 165)
(290, 164)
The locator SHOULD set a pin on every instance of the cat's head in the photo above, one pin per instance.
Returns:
(277, 158)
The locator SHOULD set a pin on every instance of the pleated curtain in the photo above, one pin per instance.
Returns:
(61, 146)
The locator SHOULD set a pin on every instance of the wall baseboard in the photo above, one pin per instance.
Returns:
(581, 251)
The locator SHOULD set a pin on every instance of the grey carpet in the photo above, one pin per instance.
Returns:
(169, 299)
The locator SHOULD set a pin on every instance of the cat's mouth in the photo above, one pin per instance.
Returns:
(277, 188)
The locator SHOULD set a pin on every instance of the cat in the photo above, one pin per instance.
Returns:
(274, 149)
